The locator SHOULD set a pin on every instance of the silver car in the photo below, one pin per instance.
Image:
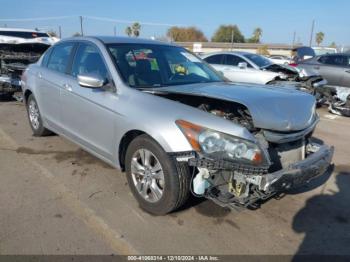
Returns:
(245, 67)
(333, 67)
(172, 123)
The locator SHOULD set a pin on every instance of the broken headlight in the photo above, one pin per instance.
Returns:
(219, 145)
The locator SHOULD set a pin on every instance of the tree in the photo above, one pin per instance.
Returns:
(333, 45)
(186, 34)
(263, 50)
(319, 38)
(133, 30)
(227, 33)
(136, 28)
(77, 34)
(257, 33)
(128, 31)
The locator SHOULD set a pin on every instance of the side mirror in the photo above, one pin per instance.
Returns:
(91, 80)
(242, 65)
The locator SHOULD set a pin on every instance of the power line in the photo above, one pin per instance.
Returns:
(36, 18)
(128, 21)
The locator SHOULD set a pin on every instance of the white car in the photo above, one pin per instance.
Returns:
(19, 48)
(237, 68)
(244, 67)
(280, 59)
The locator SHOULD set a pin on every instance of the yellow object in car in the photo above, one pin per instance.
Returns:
(180, 69)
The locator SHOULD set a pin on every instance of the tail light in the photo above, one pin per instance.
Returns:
(293, 64)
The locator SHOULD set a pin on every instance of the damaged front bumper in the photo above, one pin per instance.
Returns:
(298, 173)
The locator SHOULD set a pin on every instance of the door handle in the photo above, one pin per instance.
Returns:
(316, 67)
(39, 75)
(68, 87)
(347, 71)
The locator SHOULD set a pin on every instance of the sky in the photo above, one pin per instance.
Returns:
(279, 19)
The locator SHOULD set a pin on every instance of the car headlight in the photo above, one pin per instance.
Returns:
(218, 144)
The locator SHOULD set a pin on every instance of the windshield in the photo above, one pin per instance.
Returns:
(259, 60)
(148, 65)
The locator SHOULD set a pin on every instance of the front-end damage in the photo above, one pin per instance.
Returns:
(300, 79)
(14, 58)
(288, 158)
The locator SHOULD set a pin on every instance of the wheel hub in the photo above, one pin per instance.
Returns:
(147, 175)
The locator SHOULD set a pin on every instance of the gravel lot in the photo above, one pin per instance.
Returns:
(57, 199)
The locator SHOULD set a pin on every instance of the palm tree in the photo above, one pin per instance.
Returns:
(136, 27)
(128, 31)
(319, 38)
(257, 33)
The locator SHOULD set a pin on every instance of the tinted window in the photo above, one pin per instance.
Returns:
(215, 59)
(233, 60)
(27, 35)
(336, 60)
(60, 57)
(148, 65)
(88, 60)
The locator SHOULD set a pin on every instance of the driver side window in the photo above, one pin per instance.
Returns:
(233, 60)
(88, 60)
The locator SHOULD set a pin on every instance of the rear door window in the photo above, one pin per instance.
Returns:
(46, 57)
(336, 60)
(60, 57)
(233, 60)
(215, 59)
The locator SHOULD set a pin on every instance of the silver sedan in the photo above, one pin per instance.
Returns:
(172, 123)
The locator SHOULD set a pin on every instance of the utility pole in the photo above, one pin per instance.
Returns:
(294, 38)
(115, 30)
(312, 32)
(81, 25)
(59, 31)
(232, 36)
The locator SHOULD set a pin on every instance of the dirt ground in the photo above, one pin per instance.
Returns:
(57, 199)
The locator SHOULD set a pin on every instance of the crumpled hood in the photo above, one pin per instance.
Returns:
(271, 107)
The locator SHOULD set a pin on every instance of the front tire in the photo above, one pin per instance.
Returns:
(34, 116)
(158, 183)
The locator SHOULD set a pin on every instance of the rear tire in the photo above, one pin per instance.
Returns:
(173, 179)
(35, 120)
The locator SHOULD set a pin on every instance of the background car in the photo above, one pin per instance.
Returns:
(246, 67)
(238, 68)
(335, 68)
(324, 50)
(280, 59)
(19, 48)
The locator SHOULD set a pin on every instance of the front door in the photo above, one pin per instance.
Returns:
(88, 113)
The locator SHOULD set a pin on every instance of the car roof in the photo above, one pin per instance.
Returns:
(20, 30)
(239, 53)
(335, 54)
(120, 39)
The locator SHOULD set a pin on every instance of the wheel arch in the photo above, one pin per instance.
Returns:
(27, 93)
(124, 143)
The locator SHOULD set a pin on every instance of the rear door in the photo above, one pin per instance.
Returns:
(88, 113)
(332, 68)
(51, 76)
(216, 61)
